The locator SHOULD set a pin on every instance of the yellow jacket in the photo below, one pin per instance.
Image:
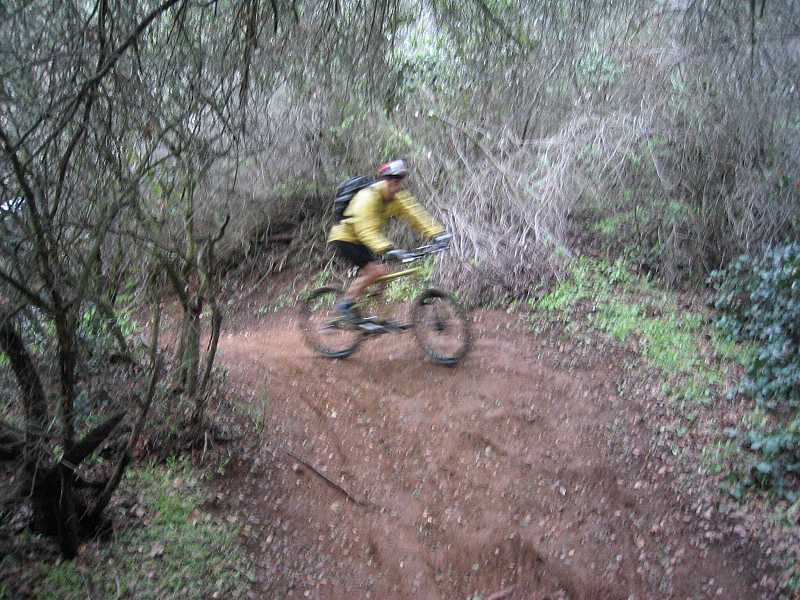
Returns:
(367, 213)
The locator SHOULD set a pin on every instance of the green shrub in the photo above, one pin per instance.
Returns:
(624, 305)
(760, 302)
(96, 331)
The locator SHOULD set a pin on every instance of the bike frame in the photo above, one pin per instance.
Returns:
(412, 256)
(395, 275)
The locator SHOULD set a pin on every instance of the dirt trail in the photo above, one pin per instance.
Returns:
(495, 479)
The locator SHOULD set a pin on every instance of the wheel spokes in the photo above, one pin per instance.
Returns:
(441, 327)
(327, 331)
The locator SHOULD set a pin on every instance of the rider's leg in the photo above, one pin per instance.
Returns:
(369, 269)
(367, 275)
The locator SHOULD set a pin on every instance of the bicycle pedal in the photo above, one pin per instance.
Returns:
(391, 325)
(371, 327)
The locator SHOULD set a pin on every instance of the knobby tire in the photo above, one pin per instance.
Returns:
(319, 324)
(441, 327)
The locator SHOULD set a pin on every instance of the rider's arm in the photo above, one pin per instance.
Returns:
(364, 214)
(421, 221)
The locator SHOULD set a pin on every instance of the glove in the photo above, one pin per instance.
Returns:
(442, 239)
(396, 255)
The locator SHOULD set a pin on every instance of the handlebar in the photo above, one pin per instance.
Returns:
(424, 251)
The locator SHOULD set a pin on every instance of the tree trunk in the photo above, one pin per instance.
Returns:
(33, 398)
(216, 326)
(65, 334)
(12, 445)
(208, 288)
(189, 350)
(27, 378)
(179, 377)
(67, 517)
(57, 509)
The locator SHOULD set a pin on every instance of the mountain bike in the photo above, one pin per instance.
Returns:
(438, 321)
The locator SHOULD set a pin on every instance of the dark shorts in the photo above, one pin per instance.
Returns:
(355, 254)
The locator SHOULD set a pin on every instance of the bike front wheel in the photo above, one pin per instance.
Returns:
(324, 330)
(441, 327)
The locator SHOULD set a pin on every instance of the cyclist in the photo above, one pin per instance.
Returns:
(359, 239)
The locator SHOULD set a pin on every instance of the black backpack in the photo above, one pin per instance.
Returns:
(345, 192)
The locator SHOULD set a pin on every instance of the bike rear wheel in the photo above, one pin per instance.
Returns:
(441, 327)
(324, 329)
